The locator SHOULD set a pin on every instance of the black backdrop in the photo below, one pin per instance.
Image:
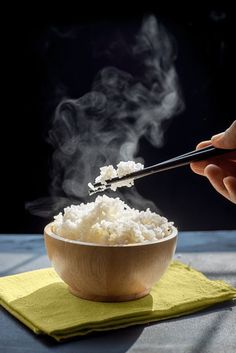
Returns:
(45, 60)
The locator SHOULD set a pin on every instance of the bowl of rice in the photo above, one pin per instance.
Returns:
(107, 251)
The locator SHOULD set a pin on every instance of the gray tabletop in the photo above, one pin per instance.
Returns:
(211, 330)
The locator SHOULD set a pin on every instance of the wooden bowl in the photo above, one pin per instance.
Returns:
(109, 272)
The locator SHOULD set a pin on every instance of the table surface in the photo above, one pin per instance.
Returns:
(211, 330)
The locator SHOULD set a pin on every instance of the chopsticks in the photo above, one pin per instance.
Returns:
(184, 159)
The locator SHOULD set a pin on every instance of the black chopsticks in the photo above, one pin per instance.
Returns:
(184, 159)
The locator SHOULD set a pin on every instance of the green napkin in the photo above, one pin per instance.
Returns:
(42, 302)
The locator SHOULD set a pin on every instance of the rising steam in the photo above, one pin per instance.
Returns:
(105, 125)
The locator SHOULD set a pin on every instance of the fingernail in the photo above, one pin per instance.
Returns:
(217, 137)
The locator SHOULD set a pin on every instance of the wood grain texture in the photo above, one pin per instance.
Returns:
(109, 273)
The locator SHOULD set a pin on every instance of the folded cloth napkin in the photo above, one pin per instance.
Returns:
(42, 302)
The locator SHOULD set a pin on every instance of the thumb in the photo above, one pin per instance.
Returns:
(226, 139)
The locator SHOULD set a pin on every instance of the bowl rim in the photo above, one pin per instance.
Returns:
(49, 232)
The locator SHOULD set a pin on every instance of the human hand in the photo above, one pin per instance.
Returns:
(221, 170)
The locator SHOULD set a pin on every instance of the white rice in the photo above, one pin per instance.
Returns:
(110, 221)
(109, 172)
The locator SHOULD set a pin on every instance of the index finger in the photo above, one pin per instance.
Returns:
(198, 167)
(203, 144)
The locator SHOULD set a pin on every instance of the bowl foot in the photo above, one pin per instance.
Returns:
(108, 298)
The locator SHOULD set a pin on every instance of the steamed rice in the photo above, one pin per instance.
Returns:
(110, 221)
(109, 172)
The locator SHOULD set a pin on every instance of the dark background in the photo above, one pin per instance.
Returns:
(47, 59)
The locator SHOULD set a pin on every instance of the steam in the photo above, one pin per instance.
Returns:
(105, 125)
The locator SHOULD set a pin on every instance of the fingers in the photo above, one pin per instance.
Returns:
(216, 175)
(203, 144)
(228, 164)
(225, 185)
(221, 172)
(230, 185)
(198, 167)
(226, 139)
